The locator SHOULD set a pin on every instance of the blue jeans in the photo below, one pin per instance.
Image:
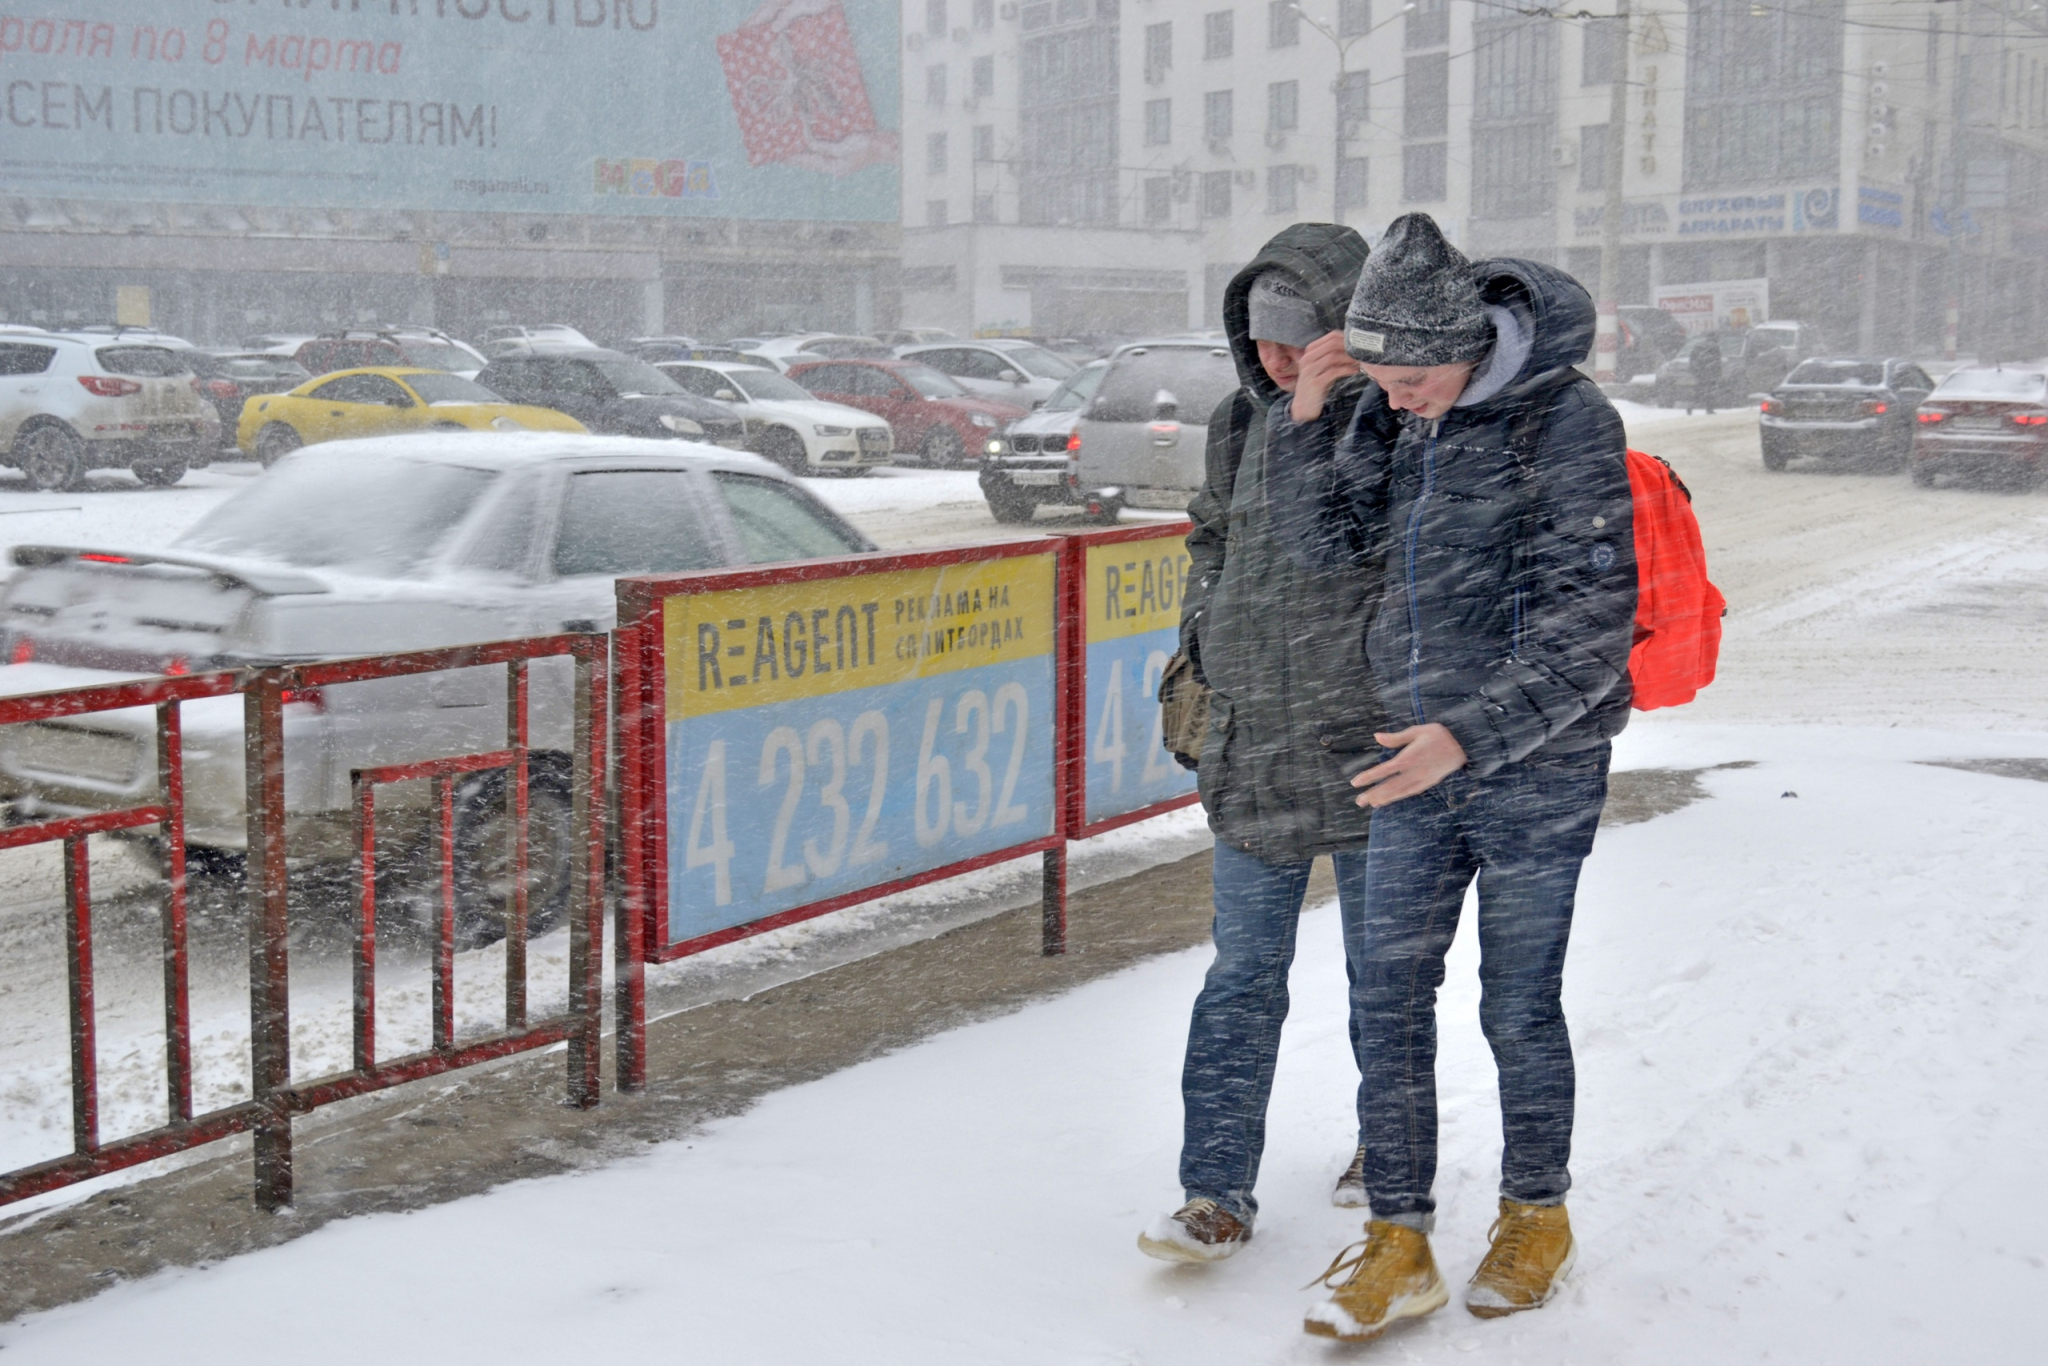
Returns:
(1524, 831)
(1234, 1038)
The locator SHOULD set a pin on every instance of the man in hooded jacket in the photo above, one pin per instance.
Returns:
(1274, 620)
(1502, 517)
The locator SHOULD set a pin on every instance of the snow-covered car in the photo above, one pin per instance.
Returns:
(785, 421)
(1040, 463)
(1005, 368)
(536, 340)
(363, 548)
(72, 402)
(420, 348)
(1144, 434)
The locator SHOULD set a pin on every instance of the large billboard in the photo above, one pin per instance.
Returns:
(754, 109)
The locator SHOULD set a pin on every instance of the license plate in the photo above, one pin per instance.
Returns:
(1037, 478)
(1979, 424)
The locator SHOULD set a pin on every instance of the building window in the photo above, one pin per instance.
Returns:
(1158, 198)
(984, 142)
(1158, 51)
(1514, 117)
(1283, 106)
(935, 18)
(1354, 17)
(1283, 24)
(1215, 194)
(1429, 24)
(1351, 181)
(935, 154)
(1218, 34)
(984, 78)
(984, 208)
(1422, 172)
(1426, 96)
(1068, 136)
(1158, 123)
(1354, 101)
(935, 213)
(935, 84)
(984, 14)
(1596, 52)
(1280, 186)
(1593, 157)
(1763, 92)
(1216, 115)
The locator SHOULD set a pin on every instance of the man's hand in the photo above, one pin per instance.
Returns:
(1322, 365)
(1428, 755)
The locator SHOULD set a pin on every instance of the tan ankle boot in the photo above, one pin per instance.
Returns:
(1526, 1266)
(1392, 1277)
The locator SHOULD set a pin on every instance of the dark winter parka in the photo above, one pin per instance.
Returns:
(1510, 565)
(1281, 592)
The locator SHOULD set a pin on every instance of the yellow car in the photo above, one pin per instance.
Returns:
(379, 402)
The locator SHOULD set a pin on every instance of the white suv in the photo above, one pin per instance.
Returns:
(72, 402)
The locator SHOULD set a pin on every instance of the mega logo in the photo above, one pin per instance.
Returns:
(648, 178)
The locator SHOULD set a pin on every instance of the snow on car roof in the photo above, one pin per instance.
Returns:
(499, 449)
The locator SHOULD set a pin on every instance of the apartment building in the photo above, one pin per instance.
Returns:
(1113, 162)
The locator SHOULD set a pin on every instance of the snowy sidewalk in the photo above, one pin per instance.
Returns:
(1810, 1034)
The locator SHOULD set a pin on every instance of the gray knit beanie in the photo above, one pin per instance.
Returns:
(1417, 302)
(1280, 312)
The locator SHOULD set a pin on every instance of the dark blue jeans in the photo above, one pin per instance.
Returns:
(1523, 832)
(1234, 1039)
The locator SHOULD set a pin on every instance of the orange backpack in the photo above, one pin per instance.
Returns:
(1678, 612)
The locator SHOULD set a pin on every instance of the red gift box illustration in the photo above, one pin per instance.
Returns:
(797, 89)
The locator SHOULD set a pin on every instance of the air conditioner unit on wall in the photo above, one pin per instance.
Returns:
(1564, 154)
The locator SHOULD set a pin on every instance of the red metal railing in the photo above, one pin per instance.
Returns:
(274, 1098)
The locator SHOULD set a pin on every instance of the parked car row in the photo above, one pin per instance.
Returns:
(1983, 422)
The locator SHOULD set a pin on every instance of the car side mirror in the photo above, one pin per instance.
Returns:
(1015, 377)
(726, 396)
(1165, 406)
(1036, 404)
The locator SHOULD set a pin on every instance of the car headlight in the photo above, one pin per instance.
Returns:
(682, 426)
(981, 420)
(823, 430)
(995, 445)
(501, 423)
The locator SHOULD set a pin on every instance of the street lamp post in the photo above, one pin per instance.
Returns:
(1607, 327)
(1343, 46)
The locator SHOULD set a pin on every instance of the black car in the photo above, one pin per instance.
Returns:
(229, 379)
(1844, 407)
(614, 394)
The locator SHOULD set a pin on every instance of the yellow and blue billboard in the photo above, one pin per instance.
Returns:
(748, 109)
(1134, 590)
(830, 735)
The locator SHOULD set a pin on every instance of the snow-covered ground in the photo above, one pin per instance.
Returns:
(1809, 1029)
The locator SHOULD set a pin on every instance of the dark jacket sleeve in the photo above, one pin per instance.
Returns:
(1211, 513)
(1578, 594)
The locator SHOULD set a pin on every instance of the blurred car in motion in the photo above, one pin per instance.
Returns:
(73, 402)
(1005, 368)
(929, 412)
(380, 402)
(614, 394)
(419, 348)
(514, 340)
(1844, 407)
(786, 422)
(1144, 434)
(1989, 422)
(1649, 337)
(1751, 362)
(1040, 463)
(228, 379)
(372, 547)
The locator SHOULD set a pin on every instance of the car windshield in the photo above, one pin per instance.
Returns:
(368, 513)
(1079, 388)
(1198, 377)
(1867, 373)
(1038, 361)
(437, 355)
(636, 377)
(446, 388)
(146, 362)
(2013, 386)
(765, 386)
(930, 382)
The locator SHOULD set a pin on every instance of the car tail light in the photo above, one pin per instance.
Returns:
(305, 697)
(177, 667)
(1074, 444)
(109, 386)
(97, 558)
(221, 389)
(2030, 419)
(1767, 406)
(1875, 407)
(24, 651)
(1932, 415)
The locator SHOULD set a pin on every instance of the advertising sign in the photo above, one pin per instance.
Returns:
(1716, 303)
(830, 734)
(753, 109)
(1134, 584)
